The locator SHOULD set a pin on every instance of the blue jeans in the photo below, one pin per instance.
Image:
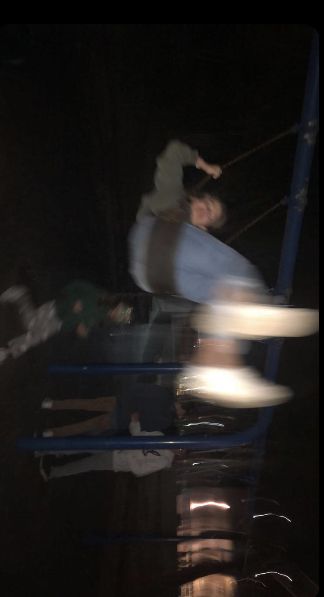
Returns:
(203, 266)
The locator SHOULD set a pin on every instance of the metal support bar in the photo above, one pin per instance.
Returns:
(90, 444)
(108, 538)
(298, 195)
(303, 158)
(114, 368)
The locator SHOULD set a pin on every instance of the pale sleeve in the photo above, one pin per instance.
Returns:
(168, 189)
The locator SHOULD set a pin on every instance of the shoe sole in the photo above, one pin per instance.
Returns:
(257, 395)
(250, 321)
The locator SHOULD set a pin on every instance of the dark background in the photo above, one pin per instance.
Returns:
(84, 110)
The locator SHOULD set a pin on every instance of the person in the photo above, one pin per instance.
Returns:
(171, 251)
(139, 462)
(79, 307)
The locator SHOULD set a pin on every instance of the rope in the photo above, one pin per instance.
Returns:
(291, 130)
(255, 221)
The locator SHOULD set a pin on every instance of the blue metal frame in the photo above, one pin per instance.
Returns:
(108, 538)
(298, 195)
(114, 368)
(166, 442)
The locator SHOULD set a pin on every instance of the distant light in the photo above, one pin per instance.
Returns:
(272, 514)
(205, 423)
(222, 505)
(274, 572)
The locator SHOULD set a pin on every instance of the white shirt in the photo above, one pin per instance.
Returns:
(142, 462)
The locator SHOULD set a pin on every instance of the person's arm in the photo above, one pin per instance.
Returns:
(168, 189)
(146, 461)
(141, 462)
(168, 179)
(213, 170)
(136, 429)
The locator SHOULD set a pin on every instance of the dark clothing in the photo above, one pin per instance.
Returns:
(155, 405)
(168, 198)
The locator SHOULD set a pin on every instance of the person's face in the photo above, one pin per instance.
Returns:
(122, 313)
(205, 212)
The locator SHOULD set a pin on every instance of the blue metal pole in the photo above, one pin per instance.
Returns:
(86, 444)
(298, 195)
(114, 368)
(108, 538)
(296, 205)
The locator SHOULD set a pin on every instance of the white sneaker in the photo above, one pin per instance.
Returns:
(47, 403)
(13, 294)
(232, 387)
(252, 321)
(4, 353)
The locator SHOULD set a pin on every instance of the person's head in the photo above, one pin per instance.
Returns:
(207, 211)
(118, 311)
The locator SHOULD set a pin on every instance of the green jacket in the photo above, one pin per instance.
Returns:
(92, 312)
(169, 191)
